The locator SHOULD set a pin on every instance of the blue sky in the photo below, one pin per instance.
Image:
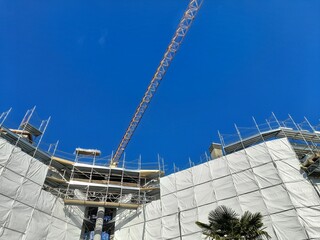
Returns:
(88, 63)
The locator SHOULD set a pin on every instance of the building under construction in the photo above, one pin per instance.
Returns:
(271, 168)
(42, 190)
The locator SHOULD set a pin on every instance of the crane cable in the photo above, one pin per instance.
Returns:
(183, 27)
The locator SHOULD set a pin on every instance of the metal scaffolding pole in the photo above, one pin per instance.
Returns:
(4, 116)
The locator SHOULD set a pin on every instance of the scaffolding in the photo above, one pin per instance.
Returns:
(102, 185)
(28, 210)
(84, 178)
(303, 136)
(268, 168)
(87, 179)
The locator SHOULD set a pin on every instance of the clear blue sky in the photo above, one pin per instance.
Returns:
(88, 63)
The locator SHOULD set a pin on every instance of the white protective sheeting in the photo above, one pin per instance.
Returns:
(264, 178)
(280, 149)
(153, 210)
(136, 231)
(127, 218)
(238, 161)
(72, 232)
(201, 173)
(170, 226)
(5, 207)
(203, 211)
(233, 203)
(192, 236)
(27, 211)
(289, 170)
(37, 172)
(245, 182)
(184, 179)
(187, 220)
(18, 162)
(258, 155)
(276, 198)
(218, 168)
(46, 202)
(39, 226)
(10, 183)
(169, 204)
(153, 229)
(26, 188)
(266, 175)
(254, 201)
(297, 192)
(224, 188)
(167, 184)
(202, 199)
(5, 151)
(186, 199)
(57, 229)
(310, 218)
(6, 233)
(20, 216)
(287, 226)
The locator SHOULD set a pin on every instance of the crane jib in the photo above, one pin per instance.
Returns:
(183, 27)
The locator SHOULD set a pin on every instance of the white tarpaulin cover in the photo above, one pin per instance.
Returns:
(263, 178)
(26, 211)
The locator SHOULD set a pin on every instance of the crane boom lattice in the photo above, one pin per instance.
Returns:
(184, 25)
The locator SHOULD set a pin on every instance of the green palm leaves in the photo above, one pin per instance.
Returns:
(224, 223)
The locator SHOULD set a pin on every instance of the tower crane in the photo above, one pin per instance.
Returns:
(183, 27)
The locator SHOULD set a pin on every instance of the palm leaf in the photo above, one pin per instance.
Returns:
(225, 221)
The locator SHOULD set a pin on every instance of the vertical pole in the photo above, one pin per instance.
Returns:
(4, 115)
(44, 130)
(108, 183)
(71, 177)
(55, 148)
(139, 180)
(274, 116)
(313, 129)
(27, 118)
(91, 173)
(159, 165)
(179, 223)
(162, 164)
(299, 129)
(122, 175)
(222, 143)
(269, 124)
(110, 159)
(99, 224)
(159, 176)
(207, 158)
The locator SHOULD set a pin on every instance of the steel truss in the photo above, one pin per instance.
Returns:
(170, 53)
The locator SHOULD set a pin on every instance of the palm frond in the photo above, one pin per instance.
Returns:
(225, 221)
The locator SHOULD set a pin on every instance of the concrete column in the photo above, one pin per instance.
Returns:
(99, 224)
